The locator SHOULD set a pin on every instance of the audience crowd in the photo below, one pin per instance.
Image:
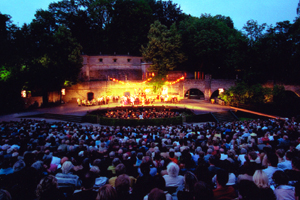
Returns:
(145, 113)
(254, 159)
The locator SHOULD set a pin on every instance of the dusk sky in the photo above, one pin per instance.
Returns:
(240, 11)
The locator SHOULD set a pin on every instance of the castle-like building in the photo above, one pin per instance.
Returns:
(121, 67)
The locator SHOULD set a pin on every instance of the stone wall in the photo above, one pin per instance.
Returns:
(121, 67)
(103, 88)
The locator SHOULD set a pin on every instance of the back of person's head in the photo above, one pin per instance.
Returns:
(47, 187)
(173, 169)
(289, 155)
(28, 158)
(261, 179)
(120, 169)
(107, 192)
(280, 178)
(149, 153)
(252, 155)
(122, 184)
(112, 154)
(97, 162)
(213, 160)
(63, 160)
(86, 163)
(198, 149)
(201, 154)
(95, 170)
(248, 190)
(47, 161)
(272, 159)
(156, 194)
(4, 195)
(280, 153)
(189, 181)
(88, 180)
(231, 153)
(145, 168)
(157, 155)
(202, 191)
(147, 159)
(243, 151)
(159, 182)
(222, 177)
(222, 150)
(19, 165)
(209, 151)
(140, 155)
(67, 167)
(116, 161)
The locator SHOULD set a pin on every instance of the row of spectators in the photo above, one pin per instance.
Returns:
(255, 159)
(145, 113)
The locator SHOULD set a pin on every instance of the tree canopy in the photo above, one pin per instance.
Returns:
(162, 51)
(42, 55)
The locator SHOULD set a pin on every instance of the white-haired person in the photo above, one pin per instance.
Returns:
(66, 178)
(261, 180)
(173, 179)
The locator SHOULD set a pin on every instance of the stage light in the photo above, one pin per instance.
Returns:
(221, 90)
(23, 93)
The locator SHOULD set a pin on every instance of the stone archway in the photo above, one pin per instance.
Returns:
(194, 93)
(215, 94)
(90, 96)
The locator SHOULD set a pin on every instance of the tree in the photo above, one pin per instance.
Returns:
(166, 12)
(163, 51)
(52, 67)
(254, 31)
(212, 46)
(244, 93)
(11, 70)
(130, 23)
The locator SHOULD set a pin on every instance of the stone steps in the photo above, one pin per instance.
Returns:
(224, 116)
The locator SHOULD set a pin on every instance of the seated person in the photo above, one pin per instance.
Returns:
(121, 169)
(283, 191)
(223, 191)
(173, 179)
(86, 191)
(66, 178)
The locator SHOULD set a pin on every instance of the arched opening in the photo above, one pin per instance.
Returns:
(215, 94)
(90, 96)
(194, 94)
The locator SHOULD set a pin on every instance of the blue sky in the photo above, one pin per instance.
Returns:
(240, 11)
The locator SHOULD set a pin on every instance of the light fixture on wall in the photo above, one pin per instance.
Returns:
(23, 93)
(221, 90)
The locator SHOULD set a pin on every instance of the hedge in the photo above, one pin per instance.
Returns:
(200, 118)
